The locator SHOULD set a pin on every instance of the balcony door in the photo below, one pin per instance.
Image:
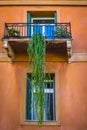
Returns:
(44, 26)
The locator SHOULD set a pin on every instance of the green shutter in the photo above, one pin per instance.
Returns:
(29, 25)
(55, 21)
(28, 98)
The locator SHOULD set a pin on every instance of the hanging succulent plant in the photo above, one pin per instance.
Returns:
(37, 54)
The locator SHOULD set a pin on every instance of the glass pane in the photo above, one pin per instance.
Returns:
(48, 85)
(43, 21)
(49, 110)
(34, 106)
(28, 100)
(48, 106)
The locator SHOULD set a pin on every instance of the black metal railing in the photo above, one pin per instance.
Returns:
(49, 31)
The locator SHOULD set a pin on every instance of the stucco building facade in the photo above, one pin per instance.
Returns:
(69, 63)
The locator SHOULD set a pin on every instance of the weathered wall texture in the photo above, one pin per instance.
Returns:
(77, 15)
(73, 96)
(73, 80)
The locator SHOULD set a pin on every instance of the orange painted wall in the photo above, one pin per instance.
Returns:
(73, 81)
(77, 15)
(73, 96)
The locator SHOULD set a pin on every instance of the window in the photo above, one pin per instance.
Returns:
(27, 107)
(49, 91)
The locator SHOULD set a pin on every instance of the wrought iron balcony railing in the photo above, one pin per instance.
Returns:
(49, 31)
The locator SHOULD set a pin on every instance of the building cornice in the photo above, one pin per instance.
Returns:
(43, 2)
(76, 57)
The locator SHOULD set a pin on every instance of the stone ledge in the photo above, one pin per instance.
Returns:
(39, 2)
(76, 57)
(79, 57)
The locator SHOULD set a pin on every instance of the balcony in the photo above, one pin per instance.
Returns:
(57, 36)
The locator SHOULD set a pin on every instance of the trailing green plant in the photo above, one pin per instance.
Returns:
(13, 32)
(37, 55)
(62, 32)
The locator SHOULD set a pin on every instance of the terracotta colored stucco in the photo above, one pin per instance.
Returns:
(73, 14)
(72, 77)
(73, 97)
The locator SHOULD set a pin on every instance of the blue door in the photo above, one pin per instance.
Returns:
(51, 27)
(49, 31)
(37, 28)
(44, 26)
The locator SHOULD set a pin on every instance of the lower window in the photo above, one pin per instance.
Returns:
(49, 91)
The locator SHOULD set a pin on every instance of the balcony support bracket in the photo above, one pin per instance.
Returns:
(69, 50)
(9, 50)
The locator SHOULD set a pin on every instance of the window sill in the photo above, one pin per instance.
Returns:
(45, 123)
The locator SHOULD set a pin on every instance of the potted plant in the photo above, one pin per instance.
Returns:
(13, 32)
(62, 32)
